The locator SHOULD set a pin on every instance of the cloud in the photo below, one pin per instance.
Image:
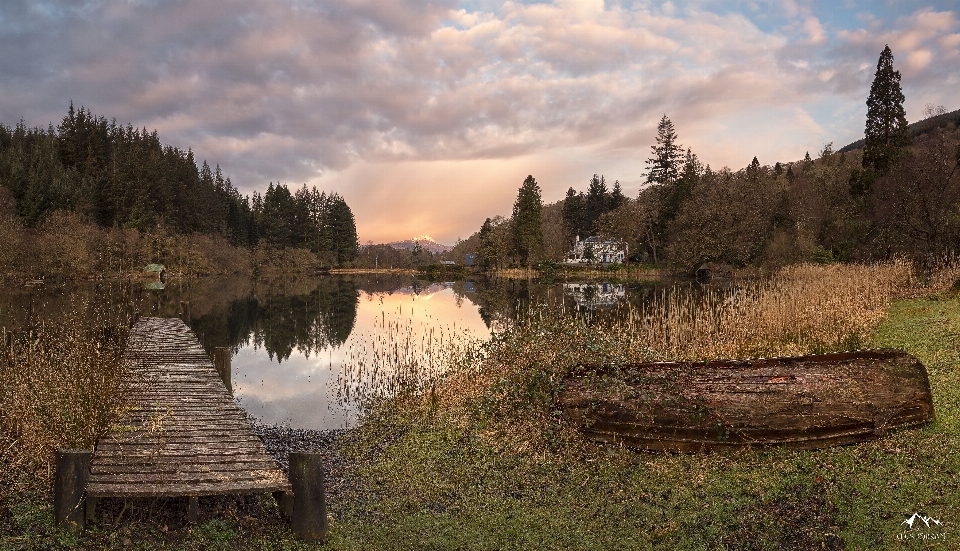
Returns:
(371, 97)
(815, 30)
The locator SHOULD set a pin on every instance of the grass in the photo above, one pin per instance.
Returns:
(484, 462)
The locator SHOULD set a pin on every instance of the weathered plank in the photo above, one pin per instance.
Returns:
(182, 435)
(801, 402)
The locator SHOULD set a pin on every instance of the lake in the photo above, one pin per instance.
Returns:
(293, 341)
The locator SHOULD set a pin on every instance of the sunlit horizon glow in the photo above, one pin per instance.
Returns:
(426, 116)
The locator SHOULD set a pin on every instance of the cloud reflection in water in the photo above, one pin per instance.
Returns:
(302, 390)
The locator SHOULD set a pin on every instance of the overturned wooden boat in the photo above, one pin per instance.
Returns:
(801, 402)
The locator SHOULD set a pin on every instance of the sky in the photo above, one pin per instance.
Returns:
(426, 116)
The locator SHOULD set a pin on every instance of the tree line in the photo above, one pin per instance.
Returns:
(896, 194)
(123, 177)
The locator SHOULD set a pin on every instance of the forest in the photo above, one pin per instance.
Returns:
(135, 200)
(896, 192)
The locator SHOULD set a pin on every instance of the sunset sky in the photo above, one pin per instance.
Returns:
(427, 116)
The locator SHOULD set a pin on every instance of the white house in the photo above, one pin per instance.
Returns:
(594, 250)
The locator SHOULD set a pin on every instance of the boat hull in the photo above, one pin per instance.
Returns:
(802, 402)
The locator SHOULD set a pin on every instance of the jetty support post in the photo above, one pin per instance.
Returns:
(309, 503)
(193, 509)
(69, 487)
(285, 503)
(221, 359)
(185, 311)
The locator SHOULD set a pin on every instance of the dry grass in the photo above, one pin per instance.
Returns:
(59, 387)
(402, 360)
(801, 309)
(505, 387)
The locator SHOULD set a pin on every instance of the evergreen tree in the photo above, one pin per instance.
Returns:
(343, 229)
(485, 249)
(596, 204)
(753, 170)
(616, 197)
(667, 155)
(886, 130)
(528, 222)
(572, 214)
(674, 194)
(122, 176)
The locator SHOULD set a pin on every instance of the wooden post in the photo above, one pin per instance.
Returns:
(193, 509)
(185, 311)
(69, 487)
(91, 512)
(221, 359)
(285, 503)
(309, 503)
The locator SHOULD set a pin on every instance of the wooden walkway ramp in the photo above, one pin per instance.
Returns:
(184, 435)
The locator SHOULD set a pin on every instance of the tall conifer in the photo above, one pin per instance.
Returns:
(667, 155)
(528, 221)
(886, 129)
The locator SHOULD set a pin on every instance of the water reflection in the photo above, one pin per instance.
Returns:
(596, 295)
(285, 376)
(289, 338)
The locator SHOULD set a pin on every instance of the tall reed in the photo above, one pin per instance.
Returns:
(60, 385)
(801, 309)
(402, 359)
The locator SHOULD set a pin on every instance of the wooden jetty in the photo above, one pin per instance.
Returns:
(183, 434)
(802, 402)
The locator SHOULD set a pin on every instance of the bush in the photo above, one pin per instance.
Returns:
(60, 386)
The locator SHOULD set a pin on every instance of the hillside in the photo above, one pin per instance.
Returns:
(916, 129)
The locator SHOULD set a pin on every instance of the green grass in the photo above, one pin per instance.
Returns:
(428, 481)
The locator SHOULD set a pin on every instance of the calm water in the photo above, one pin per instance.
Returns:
(290, 339)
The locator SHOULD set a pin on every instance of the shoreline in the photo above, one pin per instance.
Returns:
(280, 440)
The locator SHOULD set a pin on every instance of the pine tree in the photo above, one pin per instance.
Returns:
(343, 229)
(528, 221)
(485, 253)
(753, 170)
(596, 204)
(674, 194)
(616, 197)
(573, 214)
(886, 130)
(667, 155)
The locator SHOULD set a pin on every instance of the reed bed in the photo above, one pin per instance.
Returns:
(801, 309)
(60, 386)
(403, 359)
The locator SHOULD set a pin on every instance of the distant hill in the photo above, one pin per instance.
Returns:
(917, 128)
(426, 243)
